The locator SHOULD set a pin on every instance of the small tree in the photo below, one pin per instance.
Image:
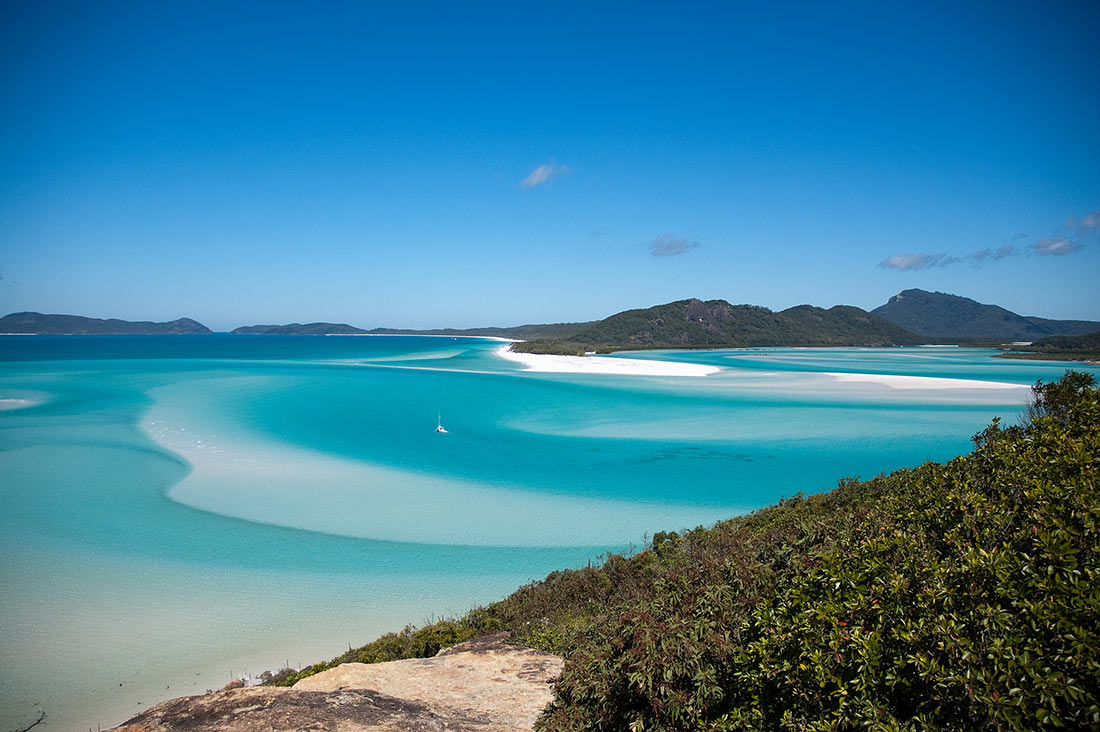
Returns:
(1057, 398)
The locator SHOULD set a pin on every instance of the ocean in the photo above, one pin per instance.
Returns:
(181, 510)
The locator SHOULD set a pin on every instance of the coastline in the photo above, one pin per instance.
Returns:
(544, 363)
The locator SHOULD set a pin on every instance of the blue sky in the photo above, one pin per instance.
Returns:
(464, 164)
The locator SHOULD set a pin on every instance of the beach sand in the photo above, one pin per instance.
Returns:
(602, 365)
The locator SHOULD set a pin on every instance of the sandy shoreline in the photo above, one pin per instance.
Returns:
(640, 367)
(602, 365)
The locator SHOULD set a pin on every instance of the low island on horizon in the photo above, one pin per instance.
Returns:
(912, 317)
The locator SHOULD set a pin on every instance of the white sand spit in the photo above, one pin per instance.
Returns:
(923, 382)
(602, 365)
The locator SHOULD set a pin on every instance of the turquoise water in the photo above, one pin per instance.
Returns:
(177, 509)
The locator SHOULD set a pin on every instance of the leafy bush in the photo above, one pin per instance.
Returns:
(957, 596)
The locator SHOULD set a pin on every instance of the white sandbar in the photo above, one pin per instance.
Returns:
(600, 365)
(923, 382)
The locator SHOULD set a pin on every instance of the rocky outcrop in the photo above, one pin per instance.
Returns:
(485, 685)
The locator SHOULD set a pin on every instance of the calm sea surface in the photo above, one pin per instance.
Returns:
(178, 510)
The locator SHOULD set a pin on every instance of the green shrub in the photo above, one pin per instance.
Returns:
(957, 596)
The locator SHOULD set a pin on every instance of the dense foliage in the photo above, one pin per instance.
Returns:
(939, 315)
(957, 596)
(717, 324)
(1071, 348)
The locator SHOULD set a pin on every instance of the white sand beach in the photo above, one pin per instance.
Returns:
(602, 365)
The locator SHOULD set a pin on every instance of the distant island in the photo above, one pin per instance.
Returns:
(1059, 348)
(912, 317)
(519, 331)
(300, 329)
(40, 324)
(937, 315)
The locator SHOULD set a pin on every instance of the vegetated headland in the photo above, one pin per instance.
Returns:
(1059, 348)
(948, 596)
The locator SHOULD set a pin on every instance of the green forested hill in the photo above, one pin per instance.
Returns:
(1087, 342)
(943, 316)
(79, 325)
(717, 323)
(958, 596)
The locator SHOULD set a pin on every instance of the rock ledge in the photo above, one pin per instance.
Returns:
(484, 685)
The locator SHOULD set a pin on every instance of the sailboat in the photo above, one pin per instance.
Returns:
(439, 425)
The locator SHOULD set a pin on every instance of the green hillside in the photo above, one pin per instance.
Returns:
(1060, 348)
(718, 324)
(79, 325)
(961, 596)
(942, 316)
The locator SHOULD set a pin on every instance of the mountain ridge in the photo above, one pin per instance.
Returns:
(945, 316)
(695, 323)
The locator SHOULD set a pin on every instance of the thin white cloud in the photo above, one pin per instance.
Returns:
(542, 174)
(992, 255)
(1091, 221)
(1055, 247)
(671, 245)
(910, 262)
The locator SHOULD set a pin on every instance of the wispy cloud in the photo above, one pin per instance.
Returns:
(992, 255)
(1075, 235)
(542, 174)
(600, 232)
(910, 262)
(1055, 247)
(671, 245)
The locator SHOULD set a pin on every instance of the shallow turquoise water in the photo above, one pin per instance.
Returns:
(176, 508)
